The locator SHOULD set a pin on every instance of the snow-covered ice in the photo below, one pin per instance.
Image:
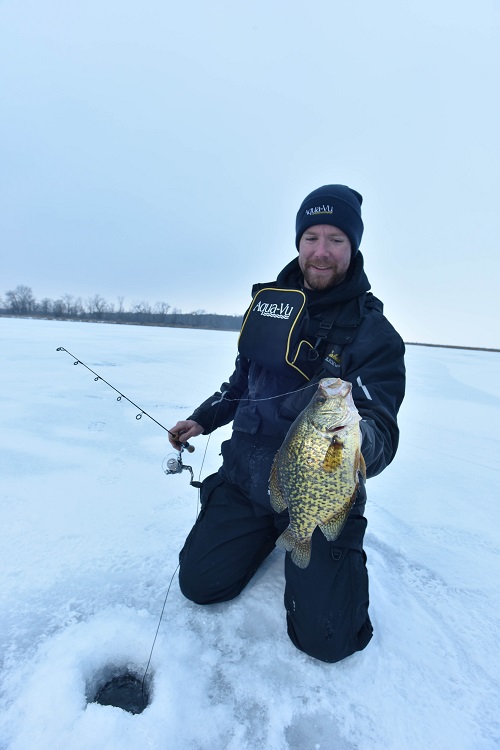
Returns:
(91, 528)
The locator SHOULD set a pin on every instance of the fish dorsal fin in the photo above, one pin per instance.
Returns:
(362, 467)
(359, 466)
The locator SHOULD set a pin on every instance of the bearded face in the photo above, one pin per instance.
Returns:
(324, 256)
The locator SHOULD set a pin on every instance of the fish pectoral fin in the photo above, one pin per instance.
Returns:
(300, 549)
(333, 456)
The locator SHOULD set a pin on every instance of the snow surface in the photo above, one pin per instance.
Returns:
(91, 529)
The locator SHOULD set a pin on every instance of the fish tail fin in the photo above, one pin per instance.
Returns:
(301, 553)
(300, 549)
(287, 540)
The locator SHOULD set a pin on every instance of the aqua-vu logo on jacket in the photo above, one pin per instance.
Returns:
(273, 310)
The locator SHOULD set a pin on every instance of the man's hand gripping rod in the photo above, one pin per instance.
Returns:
(187, 446)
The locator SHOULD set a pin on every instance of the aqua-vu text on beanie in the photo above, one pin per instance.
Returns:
(338, 205)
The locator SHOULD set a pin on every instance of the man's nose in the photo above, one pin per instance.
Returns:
(321, 247)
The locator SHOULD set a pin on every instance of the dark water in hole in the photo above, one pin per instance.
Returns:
(124, 691)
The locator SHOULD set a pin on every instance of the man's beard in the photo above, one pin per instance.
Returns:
(321, 281)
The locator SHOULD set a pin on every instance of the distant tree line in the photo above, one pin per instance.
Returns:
(21, 302)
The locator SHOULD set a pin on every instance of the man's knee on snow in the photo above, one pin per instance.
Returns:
(191, 587)
(205, 587)
(324, 644)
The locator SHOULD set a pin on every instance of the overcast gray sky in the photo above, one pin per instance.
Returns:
(160, 150)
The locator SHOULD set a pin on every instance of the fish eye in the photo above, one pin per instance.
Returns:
(321, 400)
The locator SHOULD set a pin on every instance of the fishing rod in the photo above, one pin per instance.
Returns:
(172, 464)
(97, 377)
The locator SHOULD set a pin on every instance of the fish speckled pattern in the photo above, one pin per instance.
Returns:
(315, 473)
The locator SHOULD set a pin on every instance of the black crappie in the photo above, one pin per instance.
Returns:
(315, 473)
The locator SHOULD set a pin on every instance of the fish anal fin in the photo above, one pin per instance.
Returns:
(333, 526)
(300, 549)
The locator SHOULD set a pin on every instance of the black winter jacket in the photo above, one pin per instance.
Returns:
(263, 404)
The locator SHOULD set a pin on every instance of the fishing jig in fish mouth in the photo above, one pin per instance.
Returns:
(172, 464)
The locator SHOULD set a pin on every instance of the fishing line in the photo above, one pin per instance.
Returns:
(198, 509)
(198, 484)
(175, 466)
(270, 398)
(157, 631)
(142, 412)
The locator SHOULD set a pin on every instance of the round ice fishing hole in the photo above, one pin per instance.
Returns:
(123, 690)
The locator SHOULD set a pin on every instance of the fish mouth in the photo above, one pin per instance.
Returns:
(331, 430)
(334, 427)
(327, 429)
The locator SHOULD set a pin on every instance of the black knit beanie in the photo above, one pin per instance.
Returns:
(338, 205)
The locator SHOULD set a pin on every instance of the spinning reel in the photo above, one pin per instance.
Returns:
(172, 464)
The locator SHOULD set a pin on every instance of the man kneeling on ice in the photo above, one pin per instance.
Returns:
(304, 487)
